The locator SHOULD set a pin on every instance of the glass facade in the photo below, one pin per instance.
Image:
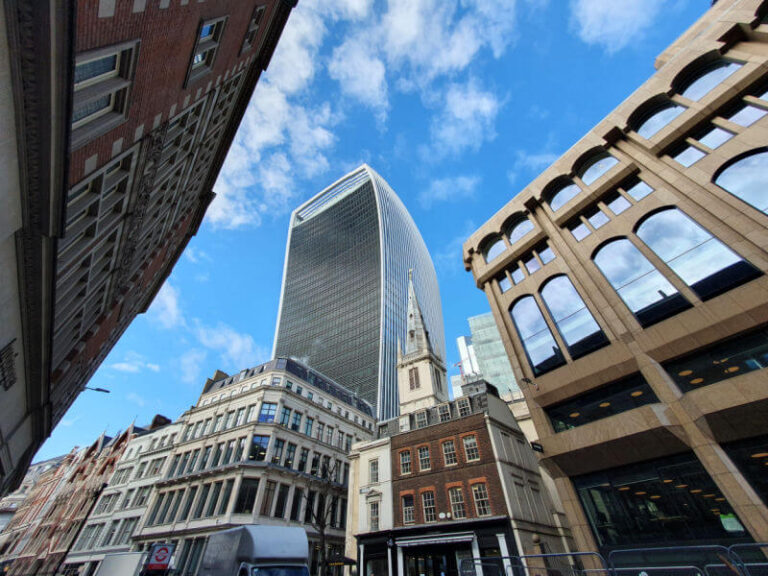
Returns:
(344, 296)
(751, 457)
(662, 502)
(492, 359)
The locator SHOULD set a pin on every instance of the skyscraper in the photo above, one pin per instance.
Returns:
(345, 283)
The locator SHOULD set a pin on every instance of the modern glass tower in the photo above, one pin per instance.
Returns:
(345, 286)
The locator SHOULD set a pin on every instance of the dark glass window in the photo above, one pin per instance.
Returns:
(659, 502)
(282, 500)
(747, 179)
(258, 448)
(246, 497)
(298, 494)
(751, 457)
(572, 318)
(605, 401)
(707, 265)
(540, 347)
(267, 412)
(649, 295)
(736, 356)
(562, 196)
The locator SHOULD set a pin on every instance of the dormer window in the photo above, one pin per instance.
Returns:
(206, 48)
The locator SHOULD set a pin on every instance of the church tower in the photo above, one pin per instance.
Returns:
(420, 372)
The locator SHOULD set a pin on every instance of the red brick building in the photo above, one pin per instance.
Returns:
(120, 114)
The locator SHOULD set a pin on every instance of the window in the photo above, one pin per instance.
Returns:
(579, 230)
(405, 462)
(424, 463)
(482, 504)
(308, 422)
(413, 378)
(428, 505)
(188, 504)
(687, 155)
(494, 250)
(277, 451)
(251, 413)
(449, 453)
(201, 502)
(282, 500)
(540, 347)
(298, 494)
(465, 407)
(597, 218)
(102, 81)
(596, 167)
(649, 295)
(269, 495)
(707, 265)
(285, 416)
(617, 203)
(373, 471)
(714, 137)
(573, 320)
(659, 118)
(638, 190)
(747, 179)
(561, 197)
(246, 497)
(253, 28)
(747, 115)
(373, 516)
(206, 47)
(225, 496)
(310, 507)
(240, 418)
(303, 460)
(296, 421)
(258, 448)
(408, 517)
(519, 230)
(213, 499)
(444, 411)
(421, 419)
(267, 412)
(471, 451)
(709, 78)
(456, 496)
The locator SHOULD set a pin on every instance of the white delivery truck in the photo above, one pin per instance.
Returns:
(126, 564)
(254, 550)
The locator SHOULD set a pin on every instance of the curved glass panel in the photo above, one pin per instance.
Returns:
(540, 346)
(643, 289)
(494, 250)
(706, 82)
(748, 179)
(660, 119)
(563, 195)
(573, 320)
(707, 265)
(519, 230)
(597, 167)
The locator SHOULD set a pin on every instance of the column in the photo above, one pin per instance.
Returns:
(504, 553)
(476, 556)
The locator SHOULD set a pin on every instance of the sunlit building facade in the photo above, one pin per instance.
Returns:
(344, 294)
(628, 284)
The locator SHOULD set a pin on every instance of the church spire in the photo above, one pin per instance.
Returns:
(417, 337)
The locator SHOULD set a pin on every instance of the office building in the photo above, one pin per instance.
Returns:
(116, 118)
(447, 480)
(628, 284)
(483, 356)
(342, 306)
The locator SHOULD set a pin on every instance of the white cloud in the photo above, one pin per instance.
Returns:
(165, 309)
(190, 365)
(465, 121)
(361, 74)
(449, 190)
(196, 256)
(530, 163)
(136, 399)
(68, 422)
(610, 24)
(236, 350)
(133, 363)
(448, 260)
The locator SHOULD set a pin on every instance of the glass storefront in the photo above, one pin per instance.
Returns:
(751, 457)
(669, 501)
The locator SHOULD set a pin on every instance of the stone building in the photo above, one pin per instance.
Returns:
(116, 118)
(268, 445)
(115, 518)
(12, 503)
(628, 284)
(446, 480)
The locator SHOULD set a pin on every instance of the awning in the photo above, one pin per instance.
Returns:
(435, 539)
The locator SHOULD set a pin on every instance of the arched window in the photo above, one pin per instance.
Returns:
(658, 119)
(747, 178)
(494, 249)
(573, 320)
(563, 195)
(707, 265)
(645, 291)
(540, 347)
(596, 167)
(519, 230)
(707, 79)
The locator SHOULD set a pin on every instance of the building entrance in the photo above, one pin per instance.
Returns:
(435, 560)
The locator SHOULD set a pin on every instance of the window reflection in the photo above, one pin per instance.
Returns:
(579, 230)
(617, 203)
(747, 115)
(715, 138)
(643, 289)
(707, 265)
(494, 250)
(639, 190)
(614, 398)
(747, 179)
(562, 196)
(598, 218)
(709, 79)
(519, 230)
(659, 119)
(540, 347)
(688, 156)
(572, 318)
(751, 457)
(597, 167)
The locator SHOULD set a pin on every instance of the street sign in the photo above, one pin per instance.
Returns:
(160, 556)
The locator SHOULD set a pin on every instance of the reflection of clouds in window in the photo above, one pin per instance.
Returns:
(747, 115)
(701, 86)
(539, 344)
(560, 198)
(689, 156)
(715, 138)
(597, 168)
(748, 179)
(568, 310)
(639, 190)
(520, 230)
(632, 275)
(494, 250)
(660, 119)
(692, 252)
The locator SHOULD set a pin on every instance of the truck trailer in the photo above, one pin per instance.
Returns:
(254, 550)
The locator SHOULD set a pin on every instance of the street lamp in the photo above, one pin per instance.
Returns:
(96, 389)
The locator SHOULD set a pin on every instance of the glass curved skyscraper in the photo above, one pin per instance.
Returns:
(345, 286)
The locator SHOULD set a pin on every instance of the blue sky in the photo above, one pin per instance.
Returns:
(458, 104)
